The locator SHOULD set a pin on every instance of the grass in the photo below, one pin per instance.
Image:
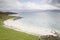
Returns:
(9, 34)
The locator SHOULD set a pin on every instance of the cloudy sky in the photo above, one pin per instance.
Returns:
(13, 5)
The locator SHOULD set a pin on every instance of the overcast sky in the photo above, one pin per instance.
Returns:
(13, 5)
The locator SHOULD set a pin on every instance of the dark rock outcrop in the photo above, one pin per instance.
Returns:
(49, 37)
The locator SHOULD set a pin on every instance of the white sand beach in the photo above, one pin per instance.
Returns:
(19, 26)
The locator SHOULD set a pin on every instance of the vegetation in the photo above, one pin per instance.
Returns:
(9, 34)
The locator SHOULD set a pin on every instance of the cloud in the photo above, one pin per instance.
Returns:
(55, 2)
(36, 1)
(14, 5)
(10, 5)
(30, 5)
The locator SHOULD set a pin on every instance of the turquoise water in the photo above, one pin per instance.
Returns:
(45, 19)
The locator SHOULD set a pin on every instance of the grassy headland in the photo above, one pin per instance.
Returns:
(9, 34)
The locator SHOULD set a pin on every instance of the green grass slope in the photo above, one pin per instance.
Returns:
(9, 34)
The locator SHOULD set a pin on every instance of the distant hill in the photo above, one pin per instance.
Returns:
(7, 13)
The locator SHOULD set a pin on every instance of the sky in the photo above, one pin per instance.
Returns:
(14, 5)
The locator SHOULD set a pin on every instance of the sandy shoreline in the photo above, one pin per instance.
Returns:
(10, 23)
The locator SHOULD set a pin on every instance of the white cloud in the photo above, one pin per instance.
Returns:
(30, 5)
(10, 5)
(13, 5)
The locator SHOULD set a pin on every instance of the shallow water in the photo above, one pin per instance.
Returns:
(42, 19)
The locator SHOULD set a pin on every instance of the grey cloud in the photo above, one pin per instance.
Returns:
(13, 5)
(54, 3)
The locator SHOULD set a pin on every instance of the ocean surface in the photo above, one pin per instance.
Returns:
(49, 19)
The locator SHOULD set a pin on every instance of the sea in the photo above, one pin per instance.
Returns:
(49, 19)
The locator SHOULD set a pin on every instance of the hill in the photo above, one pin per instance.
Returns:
(9, 34)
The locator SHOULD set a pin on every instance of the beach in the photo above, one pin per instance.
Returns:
(13, 24)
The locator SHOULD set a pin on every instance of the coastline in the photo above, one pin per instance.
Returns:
(7, 33)
(6, 24)
(10, 23)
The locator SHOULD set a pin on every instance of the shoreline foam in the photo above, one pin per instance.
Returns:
(10, 23)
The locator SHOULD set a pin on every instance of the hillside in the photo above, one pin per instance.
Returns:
(9, 34)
